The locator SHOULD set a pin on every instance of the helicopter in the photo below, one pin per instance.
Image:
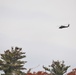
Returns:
(62, 26)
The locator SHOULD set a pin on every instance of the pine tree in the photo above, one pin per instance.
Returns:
(57, 68)
(11, 62)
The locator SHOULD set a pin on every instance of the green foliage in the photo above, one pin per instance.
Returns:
(57, 68)
(10, 61)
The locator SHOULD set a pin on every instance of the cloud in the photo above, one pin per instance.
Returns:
(33, 25)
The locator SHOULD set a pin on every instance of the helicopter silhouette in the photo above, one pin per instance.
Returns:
(62, 26)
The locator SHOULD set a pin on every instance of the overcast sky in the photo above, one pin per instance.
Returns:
(33, 26)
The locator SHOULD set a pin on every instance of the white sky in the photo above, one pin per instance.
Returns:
(33, 26)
